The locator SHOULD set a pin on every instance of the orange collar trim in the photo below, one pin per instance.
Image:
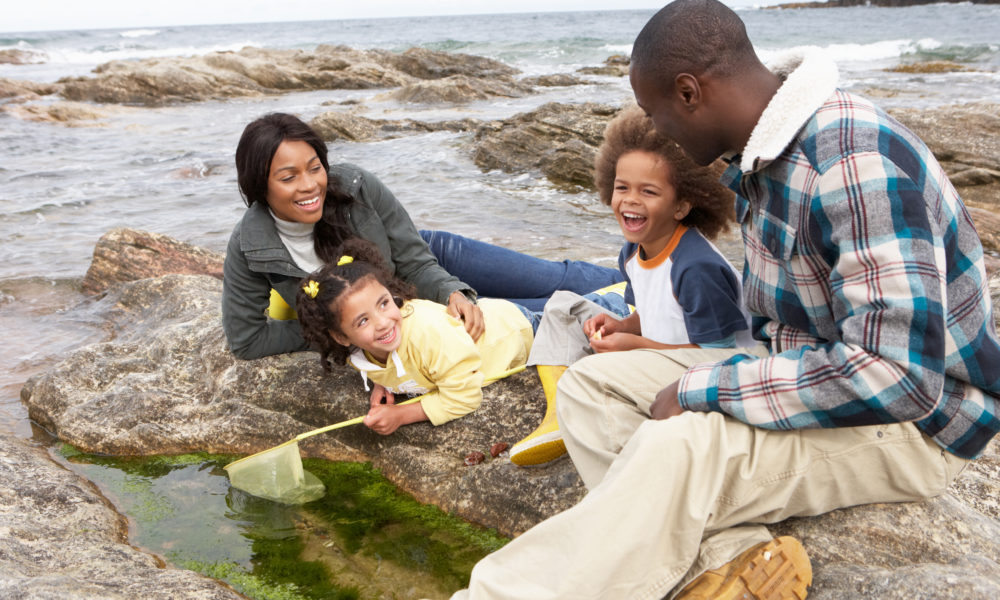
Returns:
(659, 259)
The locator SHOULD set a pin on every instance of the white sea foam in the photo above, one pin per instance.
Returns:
(123, 52)
(137, 33)
(860, 53)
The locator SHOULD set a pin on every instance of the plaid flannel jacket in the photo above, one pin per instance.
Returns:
(865, 275)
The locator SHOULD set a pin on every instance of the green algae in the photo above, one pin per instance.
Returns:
(364, 539)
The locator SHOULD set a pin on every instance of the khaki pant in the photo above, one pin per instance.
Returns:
(687, 494)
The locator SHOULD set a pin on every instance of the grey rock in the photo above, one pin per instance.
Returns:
(257, 71)
(338, 125)
(556, 80)
(457, 89)
(60, 538)
(560, 140)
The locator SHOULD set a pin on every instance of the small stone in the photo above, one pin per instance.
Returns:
(497, 448)
(474, 458)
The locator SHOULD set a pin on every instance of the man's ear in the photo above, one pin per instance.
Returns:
(688, 89)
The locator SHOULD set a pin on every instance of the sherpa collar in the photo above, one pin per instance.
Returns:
(809, 79)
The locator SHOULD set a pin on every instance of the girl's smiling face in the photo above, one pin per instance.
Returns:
(296, 185)
(645, 201)
(369, 319)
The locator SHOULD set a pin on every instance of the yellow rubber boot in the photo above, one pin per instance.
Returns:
(545, 443)
(775, 570)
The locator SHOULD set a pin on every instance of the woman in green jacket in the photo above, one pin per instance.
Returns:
(299, 211)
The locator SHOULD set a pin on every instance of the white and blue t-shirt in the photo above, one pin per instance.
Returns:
(687, 294)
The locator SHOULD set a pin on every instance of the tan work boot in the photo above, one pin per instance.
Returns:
(775, 570)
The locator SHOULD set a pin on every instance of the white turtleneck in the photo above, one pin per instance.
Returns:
(298, 238)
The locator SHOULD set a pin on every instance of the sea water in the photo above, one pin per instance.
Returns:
(170, 169)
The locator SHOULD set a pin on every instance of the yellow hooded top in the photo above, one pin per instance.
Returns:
(437, 356)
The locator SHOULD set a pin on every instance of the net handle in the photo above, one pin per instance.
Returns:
(360, 419)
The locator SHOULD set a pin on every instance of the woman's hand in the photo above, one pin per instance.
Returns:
(382, 396)
(461, 308)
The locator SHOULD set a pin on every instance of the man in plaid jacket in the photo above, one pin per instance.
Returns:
(878, 377)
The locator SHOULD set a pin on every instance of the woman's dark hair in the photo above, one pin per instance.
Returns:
(320, 315)
(630, 131)
(256, 148)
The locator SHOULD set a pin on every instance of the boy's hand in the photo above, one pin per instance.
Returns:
(382, 418)
(599, 326)
(380, 395)
(616, 342)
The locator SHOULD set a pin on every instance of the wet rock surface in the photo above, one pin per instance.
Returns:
(165, 384)
(60, 538)
(257, 71)
(560, 140)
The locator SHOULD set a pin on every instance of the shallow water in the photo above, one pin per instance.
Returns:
(364, 539)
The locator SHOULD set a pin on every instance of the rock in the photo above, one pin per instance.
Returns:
(614, 66)
(127, 255)
(60, 538)
(335, 126)
(556, 80)
(457, 89)
(560, 140)
(15, 88)
(16, 56)
(429, 64)
(166, 384)
(73, 114)
(966, 141)
(256, 71)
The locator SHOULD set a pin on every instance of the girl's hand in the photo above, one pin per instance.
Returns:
(382, 396)
(461, 308)
(387, 418)
(382, 418)
(616, 342)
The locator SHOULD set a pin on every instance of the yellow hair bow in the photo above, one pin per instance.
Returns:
(344, 260)
(311, 289)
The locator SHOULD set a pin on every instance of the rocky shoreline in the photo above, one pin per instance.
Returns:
(164, 383)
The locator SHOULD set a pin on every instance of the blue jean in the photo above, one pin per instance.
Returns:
(496, 272)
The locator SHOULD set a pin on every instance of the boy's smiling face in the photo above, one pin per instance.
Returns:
(645, 201)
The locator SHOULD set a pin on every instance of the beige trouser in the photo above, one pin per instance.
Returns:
(679, 496)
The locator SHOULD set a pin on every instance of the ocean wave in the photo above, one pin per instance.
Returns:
(885, 50)
(135, 33)
(109, 53)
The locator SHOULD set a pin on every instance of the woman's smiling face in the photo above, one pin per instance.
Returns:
(296, 184)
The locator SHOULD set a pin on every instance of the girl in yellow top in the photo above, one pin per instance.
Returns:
(355, 312)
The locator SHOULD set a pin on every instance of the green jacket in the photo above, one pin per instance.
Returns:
(257, 260)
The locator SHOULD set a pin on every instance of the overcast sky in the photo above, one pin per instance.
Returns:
(36, 15)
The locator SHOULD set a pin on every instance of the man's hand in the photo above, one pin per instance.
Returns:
(461, 308)
(666, 404)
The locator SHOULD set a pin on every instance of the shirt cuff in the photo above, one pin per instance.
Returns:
(698, 389)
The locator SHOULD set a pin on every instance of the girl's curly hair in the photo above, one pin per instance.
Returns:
(631, 130)
(320, 315)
